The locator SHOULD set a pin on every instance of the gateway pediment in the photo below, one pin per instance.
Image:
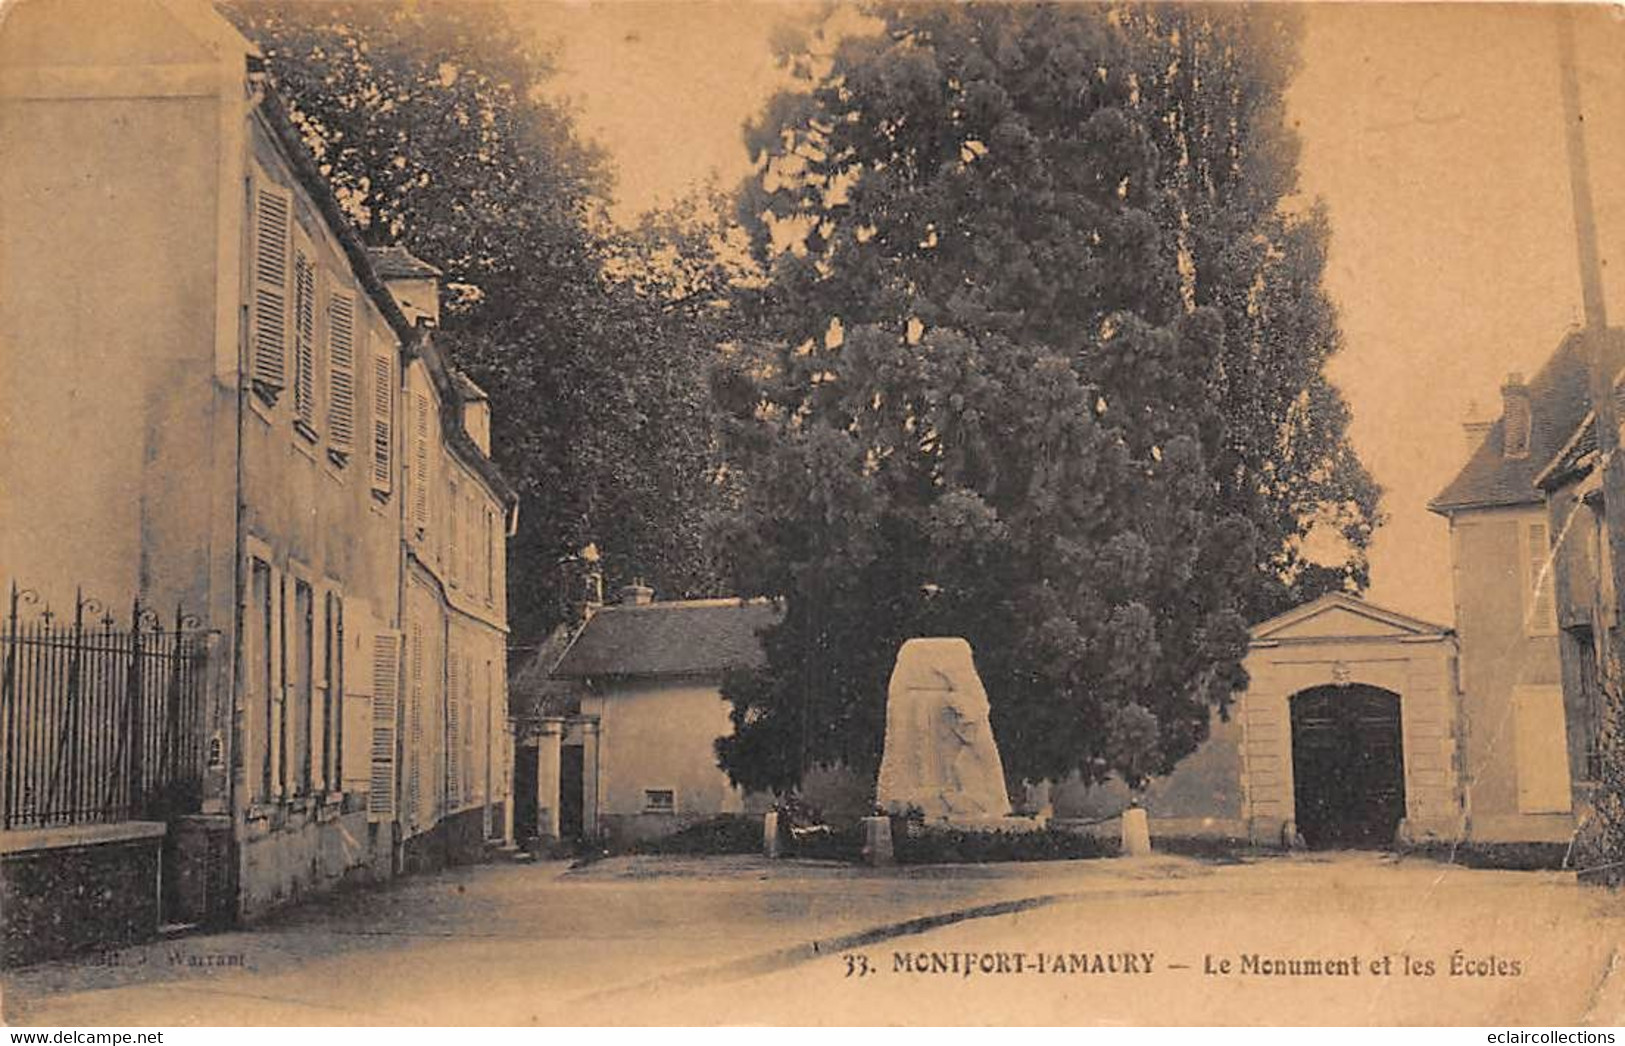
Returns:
(1339, 616)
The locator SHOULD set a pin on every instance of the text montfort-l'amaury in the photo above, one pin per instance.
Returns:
(965, 964)
(1044, 962)
(1458, 963)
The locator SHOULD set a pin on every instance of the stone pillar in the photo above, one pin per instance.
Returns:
(877, 843)
(589, 778)
(220, 699)
(548, 741)
(1136, 833)
(770, 834)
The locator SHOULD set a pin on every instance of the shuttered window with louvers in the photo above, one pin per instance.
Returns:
(454, 749)
(414, 755)
(273, 209)
(385, 713)
(383, 422)
(470, 725)
(304, 340)
(420, 464)
(341, 374)
(453, 509)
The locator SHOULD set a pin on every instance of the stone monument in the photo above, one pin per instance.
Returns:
(940, 755)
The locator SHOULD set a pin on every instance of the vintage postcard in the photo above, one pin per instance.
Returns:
(714, 512)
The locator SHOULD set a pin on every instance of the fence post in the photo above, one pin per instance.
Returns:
(132, 704)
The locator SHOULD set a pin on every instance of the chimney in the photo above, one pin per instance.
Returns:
(412, 282)
(637, 594)
(1475, 426)
(476, 411)
(1517, 417)
(592, 591)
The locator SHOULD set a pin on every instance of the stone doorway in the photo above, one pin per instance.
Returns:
(526, 824)
(1348, 766)
(572, 761)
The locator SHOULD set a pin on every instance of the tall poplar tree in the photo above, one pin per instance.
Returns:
(1040, 363)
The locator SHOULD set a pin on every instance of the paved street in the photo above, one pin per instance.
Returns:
(742, 940)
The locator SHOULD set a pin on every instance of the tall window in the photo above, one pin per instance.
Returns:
(340, 376)
(420, 464)
(261, 682)
(454, 728)
(303, 693)
(333, 694)
(490, 555)
(383, 422)
(454, 512)
(282, 678)
(304, 342)
(273, 210)
(1541, 749)
(415, 708)
(470, 541)
(381, 784)
(1540, 605)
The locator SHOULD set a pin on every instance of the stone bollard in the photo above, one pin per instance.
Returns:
(1136, 833)
(877, 848)
(770, 834)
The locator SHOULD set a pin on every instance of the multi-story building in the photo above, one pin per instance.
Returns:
(1587, 611)
(212, 395)
(1510, 620)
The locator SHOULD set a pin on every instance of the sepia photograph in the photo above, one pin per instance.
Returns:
(817, 513)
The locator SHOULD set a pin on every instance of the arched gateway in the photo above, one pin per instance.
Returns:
(1348, 765)
(1348, 727)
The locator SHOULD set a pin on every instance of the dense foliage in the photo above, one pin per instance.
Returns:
(1040, 363)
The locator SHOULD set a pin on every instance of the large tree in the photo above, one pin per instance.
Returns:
(1040, 363)
(432, 123)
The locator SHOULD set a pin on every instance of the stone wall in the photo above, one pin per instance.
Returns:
(70, 890)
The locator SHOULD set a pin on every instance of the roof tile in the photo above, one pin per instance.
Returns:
(694, 637)
(1559, 398)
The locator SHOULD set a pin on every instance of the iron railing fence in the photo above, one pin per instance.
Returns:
(99, 723)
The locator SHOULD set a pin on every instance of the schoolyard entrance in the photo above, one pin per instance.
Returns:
(1348, 766)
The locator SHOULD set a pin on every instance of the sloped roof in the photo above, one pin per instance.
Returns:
(398, 263)
(1576, 459)
(532, 690)
(1559, 397)
(1579, 455)
(466, 385)
(414, 340)
(679, 638)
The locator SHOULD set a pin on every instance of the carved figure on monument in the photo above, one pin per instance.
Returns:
(940, 755)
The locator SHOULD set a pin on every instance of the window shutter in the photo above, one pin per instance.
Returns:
(304, 339)
(454, 528)
(470, 541)
(385, 713)
(1541, 746)
(341, 372)
(454, 745)
(383, 418)
(1538, 581)
(272, 218)
(420, 464)
(470, 724)
(414, 758)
